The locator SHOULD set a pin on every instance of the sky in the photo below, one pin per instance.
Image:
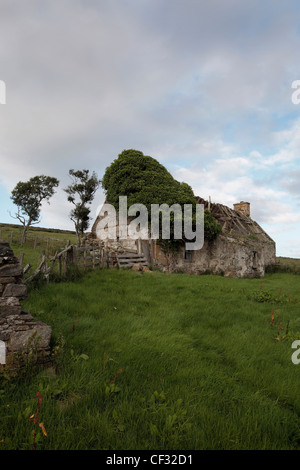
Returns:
(205, 87)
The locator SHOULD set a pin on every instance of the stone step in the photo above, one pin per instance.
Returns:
(127, 260)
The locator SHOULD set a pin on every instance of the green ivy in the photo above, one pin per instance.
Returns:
(145, 181)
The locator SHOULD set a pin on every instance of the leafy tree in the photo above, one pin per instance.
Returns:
(28, 196)
(81, 193)
(144, 180)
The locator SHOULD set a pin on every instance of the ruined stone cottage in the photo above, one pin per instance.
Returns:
(243, 249)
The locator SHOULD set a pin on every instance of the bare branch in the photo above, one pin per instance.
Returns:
(18, 217)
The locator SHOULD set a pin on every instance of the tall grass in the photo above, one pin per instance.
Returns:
(155, 361)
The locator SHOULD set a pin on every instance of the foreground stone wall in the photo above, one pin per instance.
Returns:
(18, 329)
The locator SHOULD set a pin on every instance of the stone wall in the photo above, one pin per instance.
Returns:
(233, 257)
(243, 249)
(18, 329)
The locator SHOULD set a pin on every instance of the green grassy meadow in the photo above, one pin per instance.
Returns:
(38, 240)
(156, 361)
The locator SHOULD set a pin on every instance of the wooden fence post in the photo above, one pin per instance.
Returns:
(84, 256)
(75, 255)
(100, 254)
(46, 272)
(93, 255)
(21, 259)
(65, 263)
(70, 255)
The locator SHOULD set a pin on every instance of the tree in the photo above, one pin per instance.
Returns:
(212, 228)
(81, 193)
(28, 196)
(144, 180)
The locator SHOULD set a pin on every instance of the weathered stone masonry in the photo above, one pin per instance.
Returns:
(243, 249)
(18, 329)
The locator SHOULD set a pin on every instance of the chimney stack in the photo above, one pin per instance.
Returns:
(243, 207)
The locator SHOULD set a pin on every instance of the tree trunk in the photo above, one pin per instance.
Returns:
(24, 236)
(78, 238)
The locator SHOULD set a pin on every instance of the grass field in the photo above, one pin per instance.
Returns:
(155, 361)
(291, 261)
(38, 239)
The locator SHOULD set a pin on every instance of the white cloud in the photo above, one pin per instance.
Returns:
(204, 87)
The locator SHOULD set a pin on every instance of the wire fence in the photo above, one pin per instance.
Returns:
(36, 242)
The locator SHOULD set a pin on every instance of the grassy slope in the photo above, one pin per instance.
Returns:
(50, 240)
(289, 261)
(228, 383)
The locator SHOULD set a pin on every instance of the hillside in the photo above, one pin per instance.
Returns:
(156, 361)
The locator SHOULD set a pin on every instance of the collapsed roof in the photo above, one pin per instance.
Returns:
(234, 222)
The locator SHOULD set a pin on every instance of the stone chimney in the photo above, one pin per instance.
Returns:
(243, 207)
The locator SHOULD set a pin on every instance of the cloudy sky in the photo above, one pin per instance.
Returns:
(203, 86)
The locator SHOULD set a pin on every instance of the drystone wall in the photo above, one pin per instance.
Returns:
(232, 257)
(23, 336)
